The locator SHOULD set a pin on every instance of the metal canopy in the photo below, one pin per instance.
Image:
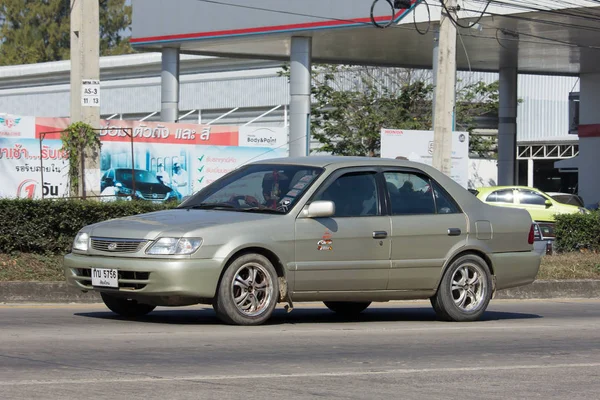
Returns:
(544, 43)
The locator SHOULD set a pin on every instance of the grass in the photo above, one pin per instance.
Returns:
(34, 267)
(30, 267)
(570, 266)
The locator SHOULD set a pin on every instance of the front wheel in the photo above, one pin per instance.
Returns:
(126, 307)
(347, 308)
(248, 292)
(465, 290)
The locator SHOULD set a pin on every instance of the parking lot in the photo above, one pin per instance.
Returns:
(521, 349)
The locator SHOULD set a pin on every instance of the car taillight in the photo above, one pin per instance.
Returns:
(531, 235)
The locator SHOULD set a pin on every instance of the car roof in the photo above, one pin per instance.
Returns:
(341, 161)
(491, 188)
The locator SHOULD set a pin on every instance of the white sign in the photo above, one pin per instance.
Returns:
(262, 137)
(418, 146)
(90, 93)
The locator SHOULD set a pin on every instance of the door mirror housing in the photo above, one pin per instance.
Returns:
(548, 203)
(319, 209)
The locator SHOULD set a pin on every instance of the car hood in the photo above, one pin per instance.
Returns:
(175, 222)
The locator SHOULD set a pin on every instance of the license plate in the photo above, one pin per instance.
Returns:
(105, 277)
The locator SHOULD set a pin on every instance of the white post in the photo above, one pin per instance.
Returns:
(300, 77)
(530, 172)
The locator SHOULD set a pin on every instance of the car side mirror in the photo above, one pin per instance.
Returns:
(320, 209)
(548, 203)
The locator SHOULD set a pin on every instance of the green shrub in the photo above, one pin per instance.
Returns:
(577, 232)
(49, 226)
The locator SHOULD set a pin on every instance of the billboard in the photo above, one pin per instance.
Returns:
(168, 161)
(418, 146)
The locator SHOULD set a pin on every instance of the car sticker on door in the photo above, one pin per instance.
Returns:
(326, 243)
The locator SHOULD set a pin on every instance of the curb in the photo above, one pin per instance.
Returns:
(60, 292)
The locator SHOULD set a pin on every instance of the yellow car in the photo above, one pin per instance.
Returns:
(541, 207)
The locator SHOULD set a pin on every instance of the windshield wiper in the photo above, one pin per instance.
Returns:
(261, 209)
(209, 206)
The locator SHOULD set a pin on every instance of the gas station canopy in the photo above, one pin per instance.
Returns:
(556, 41)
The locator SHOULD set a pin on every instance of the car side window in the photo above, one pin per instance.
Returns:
(531, 197)
(501, 196)
(354, 195)
(443, 202)
(410, 193)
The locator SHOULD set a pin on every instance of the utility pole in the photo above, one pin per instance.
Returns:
(445, 91)
(85, 66)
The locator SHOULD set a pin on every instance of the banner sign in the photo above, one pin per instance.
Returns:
(418, 146)
(170, 160)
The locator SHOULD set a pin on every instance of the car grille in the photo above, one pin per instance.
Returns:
(118, 245)
(128, 280)
(153, 196)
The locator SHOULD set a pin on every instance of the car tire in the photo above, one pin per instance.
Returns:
(248, 291)
(126, 307)
(347, 308)
(465, 290)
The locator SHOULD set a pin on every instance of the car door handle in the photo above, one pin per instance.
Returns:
(454, 232)
(379, 235)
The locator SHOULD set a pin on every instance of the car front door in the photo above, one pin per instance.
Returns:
(535, 203)
(426, 224)
(349, 251)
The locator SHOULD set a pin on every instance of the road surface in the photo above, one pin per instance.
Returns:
(521, 350)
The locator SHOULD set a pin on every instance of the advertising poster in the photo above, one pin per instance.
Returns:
(169, 161)
(21, 167)
(418, 146)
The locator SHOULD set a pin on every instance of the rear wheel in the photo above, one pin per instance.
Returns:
(347, 308)
(465, 290)
(248, 292)
(126, 307)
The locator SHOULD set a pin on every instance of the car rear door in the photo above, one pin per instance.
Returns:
(426, 225)
(351, 250)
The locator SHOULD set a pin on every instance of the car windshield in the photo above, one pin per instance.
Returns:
(568, 199)
(141, 176)
(268, 188)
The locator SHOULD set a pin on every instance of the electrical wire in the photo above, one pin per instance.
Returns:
(465, 49)
(576, 82)
(414, 13)
(455, 20)
(374, 20)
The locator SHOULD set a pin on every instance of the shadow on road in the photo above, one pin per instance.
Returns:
(206, 316)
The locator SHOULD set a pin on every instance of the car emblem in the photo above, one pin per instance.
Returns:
(112, 246)
(154, 196)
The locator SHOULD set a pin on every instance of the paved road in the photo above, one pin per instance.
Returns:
(522, 350)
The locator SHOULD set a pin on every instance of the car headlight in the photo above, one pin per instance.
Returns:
(123, 190)
(174, 246)
(81, 241)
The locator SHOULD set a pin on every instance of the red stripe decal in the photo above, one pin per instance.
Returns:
(590, 130)
(262, 29)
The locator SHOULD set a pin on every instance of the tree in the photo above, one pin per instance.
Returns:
(352, 103)
(33, 31)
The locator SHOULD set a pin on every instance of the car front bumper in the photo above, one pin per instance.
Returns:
(148, 277)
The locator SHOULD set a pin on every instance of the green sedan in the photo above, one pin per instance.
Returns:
(540, 205)
(346, 231)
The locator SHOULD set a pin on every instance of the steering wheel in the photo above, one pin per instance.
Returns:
(248, 200)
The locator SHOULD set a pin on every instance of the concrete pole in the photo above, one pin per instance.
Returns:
(300, 78)
(169, 85)
(507, 126)
(85, 64)
(434, 69)
(444, 100)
